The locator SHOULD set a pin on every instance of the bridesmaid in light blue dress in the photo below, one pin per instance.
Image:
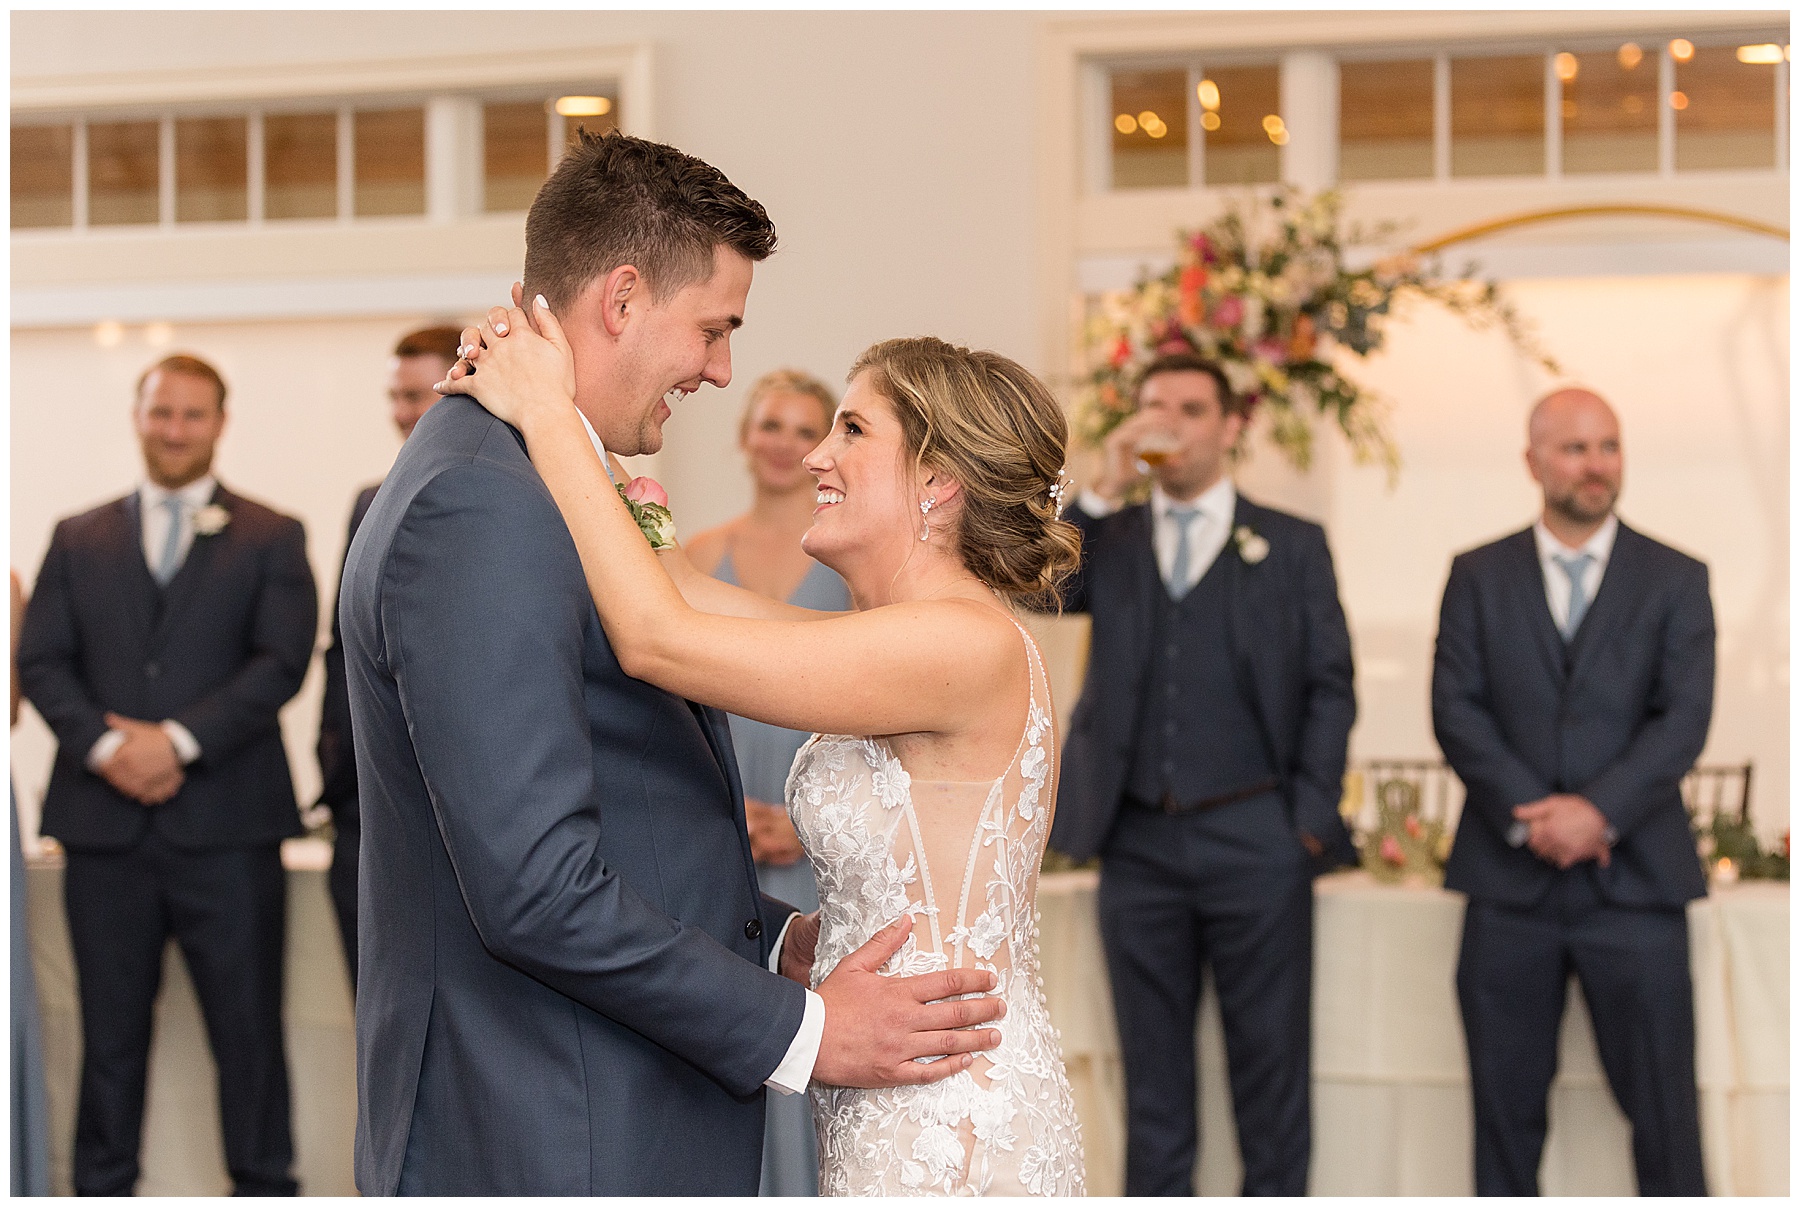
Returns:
(785, 416)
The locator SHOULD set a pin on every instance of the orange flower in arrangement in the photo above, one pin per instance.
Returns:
(1121, 352)
(1192, 307)
(1414, 830)
(1111, 399)
(1305, 339)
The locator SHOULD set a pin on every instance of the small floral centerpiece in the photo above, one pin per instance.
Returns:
(1729, 846)
(1404, 845)
(648, 503)
(1265, 291)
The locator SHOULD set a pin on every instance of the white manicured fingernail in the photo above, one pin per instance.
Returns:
(542, 304)
(499, 328)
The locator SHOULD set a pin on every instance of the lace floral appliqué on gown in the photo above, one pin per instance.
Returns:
(962, 859)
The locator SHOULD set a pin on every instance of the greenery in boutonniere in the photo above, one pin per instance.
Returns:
(648, 503)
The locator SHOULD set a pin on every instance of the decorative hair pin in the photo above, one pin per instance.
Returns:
(1059, 491)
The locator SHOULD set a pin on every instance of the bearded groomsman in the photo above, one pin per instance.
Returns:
(166, 631)
(1572, 691)
(420, 358)
(1204, 765)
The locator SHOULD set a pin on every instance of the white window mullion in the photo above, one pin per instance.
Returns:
(1096, 116)
(1196, 147)
(346, 164)
(1309, 102)
(258, 157)
(80, 180)
(1665, 113)
(1781, 116)
(1553, 128)
(1440, 122)
(165, 171)
(453, 168)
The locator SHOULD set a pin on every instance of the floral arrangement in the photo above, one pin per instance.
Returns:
(1404, 845)
(648, 503)
(1265, 292)
(211, 520)
(1728, 845)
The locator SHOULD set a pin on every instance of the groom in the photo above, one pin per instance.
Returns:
(564, 956)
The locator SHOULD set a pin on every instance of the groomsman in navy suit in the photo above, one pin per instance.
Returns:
(1572, 691)
(1204, 764)
(420, 358)
(166, 631)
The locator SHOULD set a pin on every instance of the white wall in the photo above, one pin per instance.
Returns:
(896, 153)
(892, 150)
(1697, 367)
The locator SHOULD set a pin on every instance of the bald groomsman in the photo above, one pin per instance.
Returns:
(420, 358)
(166, 631)
(1572, 691)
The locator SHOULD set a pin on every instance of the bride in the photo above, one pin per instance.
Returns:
(929, 784)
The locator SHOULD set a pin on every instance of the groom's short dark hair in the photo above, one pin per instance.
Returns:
(615, 199)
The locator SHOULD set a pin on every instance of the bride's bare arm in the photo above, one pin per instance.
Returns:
(916, 667)
(705, 593)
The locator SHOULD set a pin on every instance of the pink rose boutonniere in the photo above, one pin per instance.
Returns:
(649, 506)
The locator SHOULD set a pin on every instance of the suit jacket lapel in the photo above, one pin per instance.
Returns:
(180, 591)
(1146, 576)
(1618, 588)
(143, 595)
(1242, 614)
(1533, 604)
(716, 729)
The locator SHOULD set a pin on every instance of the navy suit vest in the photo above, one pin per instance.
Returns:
(1198, 735)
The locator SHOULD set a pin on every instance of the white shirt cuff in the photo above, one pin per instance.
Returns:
(101, 752)
(1095, 504)
(795, 1070)
(186, 748)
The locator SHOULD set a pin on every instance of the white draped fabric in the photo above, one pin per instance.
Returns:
(1391, 1097)
(1391, 1111)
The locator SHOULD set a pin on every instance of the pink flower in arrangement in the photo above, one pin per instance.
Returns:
(1121, 352)
(1229, 312)
(1203, 247)
(1390, 850)
(1274, 351)
(646, 490)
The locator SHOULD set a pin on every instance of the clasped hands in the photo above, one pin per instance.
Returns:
(145, 767)
(876, 1027)
(1566, 829)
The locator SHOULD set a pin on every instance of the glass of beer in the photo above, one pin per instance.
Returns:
(1153, 448)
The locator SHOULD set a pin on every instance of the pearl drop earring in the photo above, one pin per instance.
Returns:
(925, 507)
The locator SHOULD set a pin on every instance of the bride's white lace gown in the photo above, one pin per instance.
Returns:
(963, 859)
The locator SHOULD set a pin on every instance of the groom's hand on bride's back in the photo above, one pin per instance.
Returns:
(877, 1026)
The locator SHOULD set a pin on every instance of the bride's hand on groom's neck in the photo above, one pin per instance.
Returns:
(519, 375)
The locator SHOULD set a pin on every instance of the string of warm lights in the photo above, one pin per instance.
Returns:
(1566, 65)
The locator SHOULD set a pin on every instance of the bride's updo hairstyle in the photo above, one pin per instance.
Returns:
(985, 421)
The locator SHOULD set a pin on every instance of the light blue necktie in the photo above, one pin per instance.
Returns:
(1181, 517)
(1576, 569)
(170, 562)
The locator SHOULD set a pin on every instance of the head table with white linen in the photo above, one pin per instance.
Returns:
(1391, 1099)
(1391, 1107)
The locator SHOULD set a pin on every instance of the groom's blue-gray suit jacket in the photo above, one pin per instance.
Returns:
(562, 986)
